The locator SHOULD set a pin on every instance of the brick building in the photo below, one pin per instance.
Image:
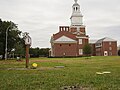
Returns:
(70, 40)
(106, 47)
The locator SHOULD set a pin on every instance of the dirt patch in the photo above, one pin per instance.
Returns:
(75, 88)
(47, 61)
(41, 68)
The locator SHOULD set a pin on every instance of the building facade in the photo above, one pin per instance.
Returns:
(106, 47)
(70, 40)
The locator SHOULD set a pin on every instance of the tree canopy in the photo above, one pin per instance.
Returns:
(39, 52)
(14, 36)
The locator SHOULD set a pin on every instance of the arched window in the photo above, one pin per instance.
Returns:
(76, 8)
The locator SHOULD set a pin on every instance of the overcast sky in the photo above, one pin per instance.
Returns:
(42, 18)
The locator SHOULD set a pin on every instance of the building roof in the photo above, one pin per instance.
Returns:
(65, 39)
(92, 41)
(76, 4)
(106, 39)
(65, 33)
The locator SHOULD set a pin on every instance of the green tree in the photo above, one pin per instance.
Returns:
(44, 52)
(20, 49)
(87, 50)
(14, 36)
(119, 52)
(37, 52)
(34, 52)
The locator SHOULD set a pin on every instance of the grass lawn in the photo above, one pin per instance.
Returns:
(77, 73)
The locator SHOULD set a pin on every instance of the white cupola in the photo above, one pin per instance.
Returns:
(76, 18)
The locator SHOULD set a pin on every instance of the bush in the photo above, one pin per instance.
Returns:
(87, 50)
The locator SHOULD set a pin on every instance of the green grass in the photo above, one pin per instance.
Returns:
(77, 72)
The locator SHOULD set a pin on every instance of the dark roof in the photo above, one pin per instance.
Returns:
(105, 40)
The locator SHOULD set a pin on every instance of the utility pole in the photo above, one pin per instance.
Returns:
(6, 40)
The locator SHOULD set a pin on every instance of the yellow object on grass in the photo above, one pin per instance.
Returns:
(34, 65)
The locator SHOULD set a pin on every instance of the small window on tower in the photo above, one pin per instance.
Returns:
(60, 45)
(69, 44)
(76, 8)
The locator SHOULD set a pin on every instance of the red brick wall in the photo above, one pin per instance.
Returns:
(106, 47)
(72, 30)
(68, 49)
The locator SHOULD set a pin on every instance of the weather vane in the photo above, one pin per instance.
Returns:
(75, 1)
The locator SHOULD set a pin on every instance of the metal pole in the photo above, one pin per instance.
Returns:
(6, 40)
(6, 48)
(6, 45)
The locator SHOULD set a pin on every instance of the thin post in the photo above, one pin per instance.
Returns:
(6, 40)
(27, 56)
(6, 45)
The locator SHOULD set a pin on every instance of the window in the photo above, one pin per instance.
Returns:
(76, 8)
(80, 51)
(60, 45)
(80, 41)
(110, 43)
(110, 48)
(110, 53)
(69, 44)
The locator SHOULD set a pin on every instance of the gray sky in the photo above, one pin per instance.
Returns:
(42, 18)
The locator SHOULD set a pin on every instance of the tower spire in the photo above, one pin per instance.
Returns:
(76, 18)
(75, 1)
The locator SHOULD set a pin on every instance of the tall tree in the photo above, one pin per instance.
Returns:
(119, 52)
(87, 50)
(20, 49)
(14, 36)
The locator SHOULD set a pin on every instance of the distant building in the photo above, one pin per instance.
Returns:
(70, 40)
(105, 47)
